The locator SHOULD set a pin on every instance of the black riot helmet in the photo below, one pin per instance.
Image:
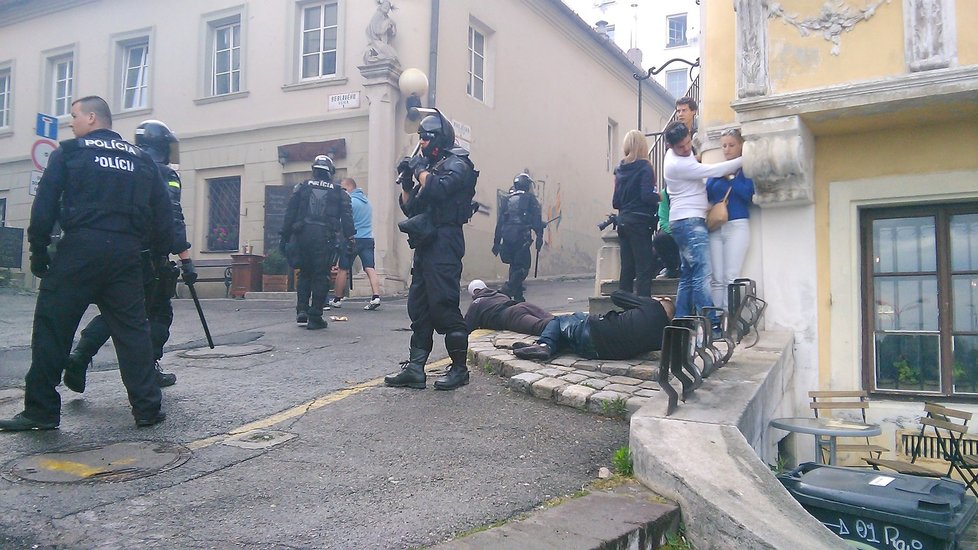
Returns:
(323, 168)
(522, 182)
(158, 141)
(439, 133)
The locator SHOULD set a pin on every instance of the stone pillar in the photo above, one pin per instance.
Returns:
(779, 155)
(380, 86)
(609, 261)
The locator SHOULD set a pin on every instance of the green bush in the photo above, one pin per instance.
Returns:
(621, 462)
(274, 263)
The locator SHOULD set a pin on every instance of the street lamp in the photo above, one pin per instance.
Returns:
(413, 84)
(652, 72)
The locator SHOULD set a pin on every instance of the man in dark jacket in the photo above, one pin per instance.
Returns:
(615, 335)
(110, 200)
(156, 139)
(318, 210)
(494, 310)
(519, 212)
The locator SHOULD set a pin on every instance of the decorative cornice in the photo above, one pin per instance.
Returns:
(17, 11)
(835, 18)
(961, 82)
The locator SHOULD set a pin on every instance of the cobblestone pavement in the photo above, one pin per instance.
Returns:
(612, 388)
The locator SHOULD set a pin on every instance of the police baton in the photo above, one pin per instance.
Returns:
(200, 313)
(536, 264)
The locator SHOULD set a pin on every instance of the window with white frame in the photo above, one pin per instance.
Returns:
(612, 144)
(5, 97)
(476, 86)
(135, 74)
(318, 40)
(226, 60)
(676, 82)
(677, 30)
(62, 76)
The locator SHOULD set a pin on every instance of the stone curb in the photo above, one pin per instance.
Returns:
(611, 388)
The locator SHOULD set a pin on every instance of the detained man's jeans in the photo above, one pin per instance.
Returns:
(694, 249)
(572, 330)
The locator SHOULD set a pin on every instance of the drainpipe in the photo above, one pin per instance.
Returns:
(433, 53)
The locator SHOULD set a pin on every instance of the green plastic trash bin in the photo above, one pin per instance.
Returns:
(872, 509)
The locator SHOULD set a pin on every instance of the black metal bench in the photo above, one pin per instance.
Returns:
(215, 271)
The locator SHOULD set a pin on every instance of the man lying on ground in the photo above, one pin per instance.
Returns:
(494, 310)
(615, 335)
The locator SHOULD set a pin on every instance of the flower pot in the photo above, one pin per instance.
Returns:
(275, 283)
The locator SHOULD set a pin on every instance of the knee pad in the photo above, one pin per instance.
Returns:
(456, 341)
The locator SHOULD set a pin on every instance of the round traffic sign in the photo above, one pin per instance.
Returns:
(41, 152)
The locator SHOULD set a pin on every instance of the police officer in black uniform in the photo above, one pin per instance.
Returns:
(156, 139)
(437, 206)
(110, 200)
(318, 210)
(519, 212)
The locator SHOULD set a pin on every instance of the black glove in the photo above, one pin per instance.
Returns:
(187, 271)
(404, 167)
(351, 247)
(495, 249)
(418, 164)
(407, 184)
(40, 261)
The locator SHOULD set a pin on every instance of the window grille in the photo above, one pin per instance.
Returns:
(5, 98)
(224, 213)
(62, 81)
(676, 82)
(677, 30)
(477, 65)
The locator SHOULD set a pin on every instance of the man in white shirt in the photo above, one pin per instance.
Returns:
(687, 215)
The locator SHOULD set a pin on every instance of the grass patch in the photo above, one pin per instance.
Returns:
(621, 462)
(780, 466)
(487, 367)
(677, 540)
(616, 408)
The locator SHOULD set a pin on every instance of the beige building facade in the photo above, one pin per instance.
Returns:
(255, 90)
(861, 121)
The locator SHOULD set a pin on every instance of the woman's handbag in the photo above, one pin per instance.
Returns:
(718, 214)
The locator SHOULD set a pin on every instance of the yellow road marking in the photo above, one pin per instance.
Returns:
(76, 468)
(300, 410)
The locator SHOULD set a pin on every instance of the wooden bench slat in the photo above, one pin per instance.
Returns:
(837, 393)
(838, 405)
(904, 467)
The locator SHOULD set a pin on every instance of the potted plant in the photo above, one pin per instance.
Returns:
(275, 272)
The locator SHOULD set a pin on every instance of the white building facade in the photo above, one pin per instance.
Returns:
(255, 90)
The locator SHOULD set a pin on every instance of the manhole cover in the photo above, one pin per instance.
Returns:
(258, 439)
(113, 462)
(220, 352)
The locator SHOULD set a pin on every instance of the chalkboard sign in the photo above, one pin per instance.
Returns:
(276, 201)
(11, 246)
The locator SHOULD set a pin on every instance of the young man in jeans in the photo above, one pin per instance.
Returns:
(364, 247)
(687, 215)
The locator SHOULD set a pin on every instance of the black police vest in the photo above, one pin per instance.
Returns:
(323, 204)
(458, 208)
(517, 208)
(109, 185)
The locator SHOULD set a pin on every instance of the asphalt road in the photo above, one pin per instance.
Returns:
(368, 466)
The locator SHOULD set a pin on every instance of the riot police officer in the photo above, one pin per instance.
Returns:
(110, 200)
(519, 212)
(156, 139)
(318, 210)
(437, 187)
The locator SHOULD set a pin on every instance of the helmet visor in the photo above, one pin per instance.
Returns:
(174, 152)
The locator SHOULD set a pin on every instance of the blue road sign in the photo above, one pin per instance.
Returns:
(47, 126)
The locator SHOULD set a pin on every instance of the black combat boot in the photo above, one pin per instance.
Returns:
(316, 322)
(163, 379)
(412, 371)
(458, 374)
(301, 318)
(75, 371)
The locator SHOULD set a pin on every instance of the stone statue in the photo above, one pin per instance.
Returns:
(380, 32)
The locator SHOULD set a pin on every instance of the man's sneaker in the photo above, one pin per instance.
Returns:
(164, 379)
(316, 322)
(372, 304)
(147, 421)
(336, 302)
(20, 423)
(301, 318)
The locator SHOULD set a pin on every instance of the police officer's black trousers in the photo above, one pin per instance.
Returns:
(519, 268)
(433, 298)
(317, 256)
(101, 268)
(159, 310)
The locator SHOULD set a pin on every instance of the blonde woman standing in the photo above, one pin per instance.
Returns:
(637, 202)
